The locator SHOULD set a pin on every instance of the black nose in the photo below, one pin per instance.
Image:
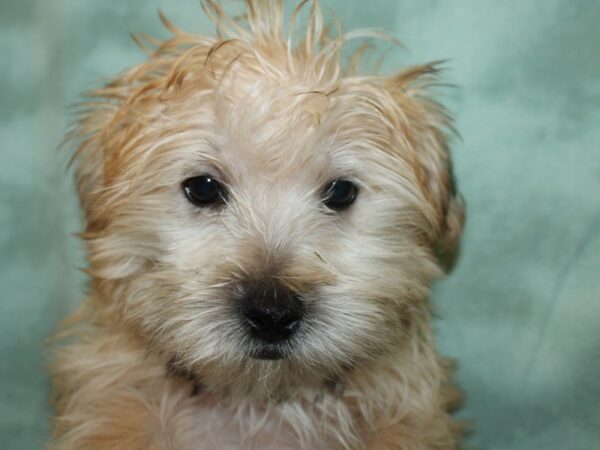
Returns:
(272, 314)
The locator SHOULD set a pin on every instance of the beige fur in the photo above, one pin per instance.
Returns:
(155, 359)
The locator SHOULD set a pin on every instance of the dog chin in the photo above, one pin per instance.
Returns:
(268, 351)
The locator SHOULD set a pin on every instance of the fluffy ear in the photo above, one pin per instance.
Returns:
(426, 127)
(447, 247)
(89, 158)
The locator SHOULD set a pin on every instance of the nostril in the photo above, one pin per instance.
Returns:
(255, 322)
(291, 325)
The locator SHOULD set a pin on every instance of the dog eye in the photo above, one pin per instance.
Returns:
(203, 190)
(339, 194)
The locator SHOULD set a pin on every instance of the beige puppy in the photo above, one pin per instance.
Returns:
(263, 226)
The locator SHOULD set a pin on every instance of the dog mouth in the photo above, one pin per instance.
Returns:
(268, 352)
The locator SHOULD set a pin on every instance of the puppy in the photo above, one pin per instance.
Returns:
(263, 227)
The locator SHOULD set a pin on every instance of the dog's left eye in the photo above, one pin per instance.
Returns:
(340, 194)
(204, 190)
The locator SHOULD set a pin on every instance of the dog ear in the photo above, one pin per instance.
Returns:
(90, 155)
(426, 127)
(447, 247)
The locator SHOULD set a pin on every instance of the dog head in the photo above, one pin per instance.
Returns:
(258, 215)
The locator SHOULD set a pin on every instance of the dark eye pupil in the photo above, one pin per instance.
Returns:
(340, 194)
(203, 190)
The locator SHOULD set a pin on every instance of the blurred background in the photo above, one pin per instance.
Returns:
(521, 312)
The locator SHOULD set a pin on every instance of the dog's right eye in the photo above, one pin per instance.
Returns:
(204, 190)
(340, 194)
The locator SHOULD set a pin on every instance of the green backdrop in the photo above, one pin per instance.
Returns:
(522, 310)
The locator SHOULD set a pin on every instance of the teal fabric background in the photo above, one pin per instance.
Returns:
(521, 311)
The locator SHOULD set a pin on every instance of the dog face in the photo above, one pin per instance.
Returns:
(258, 219)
